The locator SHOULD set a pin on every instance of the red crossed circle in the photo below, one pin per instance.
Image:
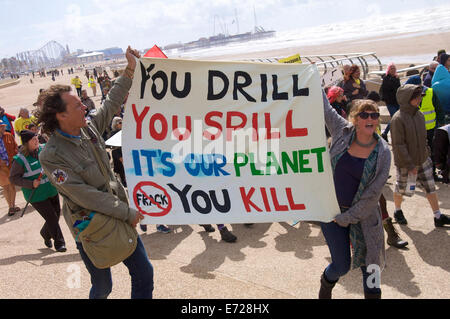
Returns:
(164, 210)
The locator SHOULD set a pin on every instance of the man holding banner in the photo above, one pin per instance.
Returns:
(77, 164)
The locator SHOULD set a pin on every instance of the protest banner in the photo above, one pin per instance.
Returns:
(291, 59)
(208, 142)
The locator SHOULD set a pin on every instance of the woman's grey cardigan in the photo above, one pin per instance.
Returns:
(366, 210)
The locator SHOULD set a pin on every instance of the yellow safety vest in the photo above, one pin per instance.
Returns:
(76, 82)
(427, 109)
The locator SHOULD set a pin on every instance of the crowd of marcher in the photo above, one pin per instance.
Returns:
(72, 128)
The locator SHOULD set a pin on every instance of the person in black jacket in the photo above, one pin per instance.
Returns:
(388, 91)
(441, 151)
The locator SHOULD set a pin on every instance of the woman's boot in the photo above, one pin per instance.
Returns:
(325, 288)
(393, 237)
(372, 296)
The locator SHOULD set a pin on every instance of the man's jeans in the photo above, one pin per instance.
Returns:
(139, 266)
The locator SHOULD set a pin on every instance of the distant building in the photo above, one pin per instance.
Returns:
(90, 57)
(113, 53)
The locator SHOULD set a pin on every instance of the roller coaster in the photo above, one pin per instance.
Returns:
(48, 56)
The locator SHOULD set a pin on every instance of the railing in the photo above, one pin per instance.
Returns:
(421, 68)
(333, 60)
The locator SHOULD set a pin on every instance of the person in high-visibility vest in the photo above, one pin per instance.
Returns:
(26, 172)
(78, 84)
(93, 85)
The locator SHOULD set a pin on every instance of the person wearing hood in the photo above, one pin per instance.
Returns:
(441, 84)
(388, 89)
(432, 112)
(411, 152)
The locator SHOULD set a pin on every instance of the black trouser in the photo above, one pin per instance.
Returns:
(430, 137)
(79, 91)
(50, 210)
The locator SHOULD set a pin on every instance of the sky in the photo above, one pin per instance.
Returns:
(99, 24)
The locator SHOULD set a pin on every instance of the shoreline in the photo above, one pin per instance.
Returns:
(403, 44)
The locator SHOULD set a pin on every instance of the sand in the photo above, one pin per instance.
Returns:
(268, 260)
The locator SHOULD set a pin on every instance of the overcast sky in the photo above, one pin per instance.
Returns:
(98, 24)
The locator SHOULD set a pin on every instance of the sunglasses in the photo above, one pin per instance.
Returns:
(365, 115)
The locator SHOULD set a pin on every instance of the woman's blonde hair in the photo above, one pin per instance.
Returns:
(361, 106)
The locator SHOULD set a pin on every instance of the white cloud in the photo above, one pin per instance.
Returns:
(96, 24)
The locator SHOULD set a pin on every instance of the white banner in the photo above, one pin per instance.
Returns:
(208, 142)
(332, 77)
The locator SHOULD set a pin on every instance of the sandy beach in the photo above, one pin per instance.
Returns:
(407, 45)
(268, 260)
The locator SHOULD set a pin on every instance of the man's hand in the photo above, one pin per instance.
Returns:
(130, 55)
(138, 218)
(413, 171)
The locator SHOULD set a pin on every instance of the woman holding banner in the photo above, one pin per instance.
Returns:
(361, 162)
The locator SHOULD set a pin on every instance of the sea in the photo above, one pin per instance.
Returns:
(390, 26)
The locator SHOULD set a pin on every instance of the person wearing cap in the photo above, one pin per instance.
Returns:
(8, 149)
(26, 172)
(76, 161)
(411, 152)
